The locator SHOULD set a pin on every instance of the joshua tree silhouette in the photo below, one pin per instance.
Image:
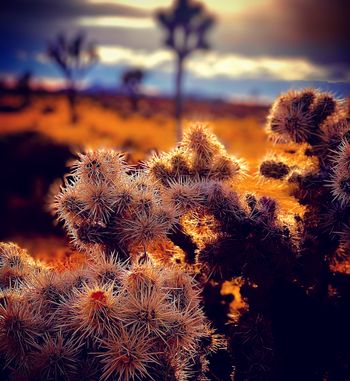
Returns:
(131, 81)
(74, 57)
(186, 24)
(23, 86)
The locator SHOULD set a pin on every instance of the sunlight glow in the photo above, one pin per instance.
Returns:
(117, 22)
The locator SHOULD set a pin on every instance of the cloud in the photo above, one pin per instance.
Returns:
(316, 29)
(59, 9)
(114, 55)
(238, 66)
(117, 22)
(219, 64)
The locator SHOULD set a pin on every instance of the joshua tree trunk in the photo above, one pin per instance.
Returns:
(134, 100)
(72, 100)
(178, 97)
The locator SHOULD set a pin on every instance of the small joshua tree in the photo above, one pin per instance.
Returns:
(74, 57)
(131, 82)
(23, 87)
(186, 26)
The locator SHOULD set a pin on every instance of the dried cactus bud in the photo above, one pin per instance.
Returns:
(274, 170)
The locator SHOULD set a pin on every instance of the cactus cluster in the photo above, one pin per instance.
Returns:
(137, 314)
(104, 203)
(109, 205)
(323, 189)
(319, 124)
(106, 320)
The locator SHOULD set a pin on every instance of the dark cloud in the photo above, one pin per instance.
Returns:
(58, 9)
(28, 24)
(33, 21)
(316, 29)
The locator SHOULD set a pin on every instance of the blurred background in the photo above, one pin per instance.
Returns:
(129, 74)
(258, 47)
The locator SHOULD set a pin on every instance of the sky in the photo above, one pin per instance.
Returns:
(258, 47)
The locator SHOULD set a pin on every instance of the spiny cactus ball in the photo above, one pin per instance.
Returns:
(199, 156)
(298, 115)
(15, 265)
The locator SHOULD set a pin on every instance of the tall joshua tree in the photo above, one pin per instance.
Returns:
(186, 25)
(74, 57)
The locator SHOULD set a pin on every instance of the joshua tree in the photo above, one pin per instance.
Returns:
(131, 81)
(23, 87)
(73, 56)
(186, 26)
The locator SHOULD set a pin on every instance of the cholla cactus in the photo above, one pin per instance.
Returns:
(322, 122)
(324, 189)
(105, 204)
(198, 157)
(131, 321)
(15, 265)
(298, 115)
(274, 169)
(197, 177)
(137, 314)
